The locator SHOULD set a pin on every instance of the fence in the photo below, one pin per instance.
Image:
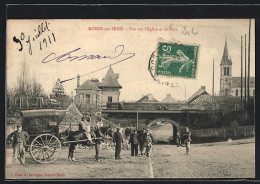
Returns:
(36, 103)
(222, 134)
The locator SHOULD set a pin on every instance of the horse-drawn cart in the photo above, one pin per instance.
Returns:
(45, 140)
(43, 129)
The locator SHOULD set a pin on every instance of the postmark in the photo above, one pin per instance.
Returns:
(159, 79)
(177, 60)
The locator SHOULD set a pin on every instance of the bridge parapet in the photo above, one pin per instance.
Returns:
(153, 106)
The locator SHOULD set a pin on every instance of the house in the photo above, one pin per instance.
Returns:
(200, 96)
(93, 92)
(168, 99)
(147, 99)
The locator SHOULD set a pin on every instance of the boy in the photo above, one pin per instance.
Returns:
(187, 140)
(84, 126)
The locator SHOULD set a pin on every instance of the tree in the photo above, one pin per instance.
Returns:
(59, 94)
(58, 89)
(26, 86)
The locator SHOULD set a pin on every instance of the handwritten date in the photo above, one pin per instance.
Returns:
(37, 37)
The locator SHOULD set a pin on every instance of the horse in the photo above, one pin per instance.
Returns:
(76, 136)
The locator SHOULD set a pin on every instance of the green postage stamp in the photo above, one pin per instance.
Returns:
(177, 60)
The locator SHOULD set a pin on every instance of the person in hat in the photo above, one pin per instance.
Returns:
(19, 139)
(98, 135)
(134, 143)
(84, 127)
(187, 140)
(148, 139)
(141, 140)
(118, 140)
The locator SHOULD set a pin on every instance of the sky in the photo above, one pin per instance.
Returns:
(139, 39)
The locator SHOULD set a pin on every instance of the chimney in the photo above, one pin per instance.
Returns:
(117, 75)
(203, 87)
(78, 81)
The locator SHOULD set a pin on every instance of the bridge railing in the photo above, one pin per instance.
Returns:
(153, 106)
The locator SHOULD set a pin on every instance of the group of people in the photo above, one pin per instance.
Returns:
(143, 139)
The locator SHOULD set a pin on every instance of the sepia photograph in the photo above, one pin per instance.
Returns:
(130, 99)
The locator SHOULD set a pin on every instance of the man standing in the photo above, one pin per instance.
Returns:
(134, 143)
(19, 139)
(141, 141)
(187, 140)
(127, 132)
(178, 139)
(118, 140)
(98, 137)
(148, 139)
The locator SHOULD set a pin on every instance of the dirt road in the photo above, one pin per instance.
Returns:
(234, 159)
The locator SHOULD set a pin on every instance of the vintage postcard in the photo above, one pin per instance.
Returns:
(130, 98)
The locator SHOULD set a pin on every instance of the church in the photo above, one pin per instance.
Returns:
(99, 94)
(229, 85)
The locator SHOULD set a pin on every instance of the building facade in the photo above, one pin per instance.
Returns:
(231, 86)
(99, 94)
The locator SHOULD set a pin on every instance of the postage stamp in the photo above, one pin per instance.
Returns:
(177, 60)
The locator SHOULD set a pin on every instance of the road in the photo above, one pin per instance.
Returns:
(234, 159)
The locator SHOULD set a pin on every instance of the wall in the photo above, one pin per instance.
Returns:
(105, 94)
(221, 134)
(233, 91)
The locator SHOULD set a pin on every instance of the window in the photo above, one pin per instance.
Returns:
(226, 91)
(227, 70)
(236, 92)
(87, 98)
(109, 99)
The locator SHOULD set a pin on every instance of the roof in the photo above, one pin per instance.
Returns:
(73, 108)
(197, 94)
(236, 82)
(147, 98)
(43, 112)
(72, 115)
(225, 59)
(89, 85)
(168, 99)
(110, 80)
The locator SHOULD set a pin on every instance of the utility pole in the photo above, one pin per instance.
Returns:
(137, 121)
(245, 75)
(241, 73)
(213, 80)
(248, 78)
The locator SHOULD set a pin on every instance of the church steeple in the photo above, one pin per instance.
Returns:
(225, 54)
(225, 72)
(225, 59)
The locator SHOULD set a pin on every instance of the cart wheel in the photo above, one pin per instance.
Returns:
(45, 148)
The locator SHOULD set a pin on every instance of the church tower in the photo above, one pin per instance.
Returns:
(225, 73)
